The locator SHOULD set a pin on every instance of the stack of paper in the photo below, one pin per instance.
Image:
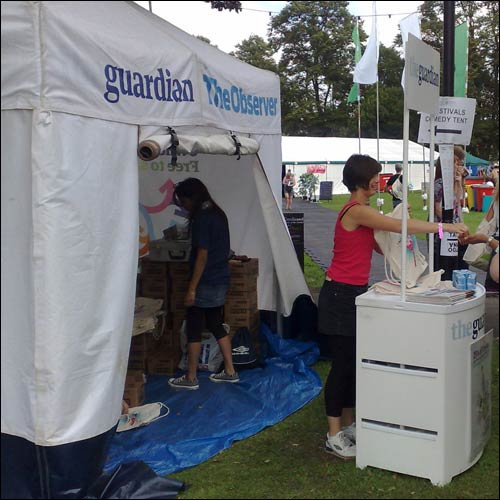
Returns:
(440, 296)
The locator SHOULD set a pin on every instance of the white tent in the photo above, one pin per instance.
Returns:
(82, 83)
(325, 156)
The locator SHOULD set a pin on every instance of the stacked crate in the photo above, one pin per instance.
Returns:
(164, 350)
(241, 308)
(154, 279)
(178, 274)
(134, 387)
(137, 359)
(160, 348)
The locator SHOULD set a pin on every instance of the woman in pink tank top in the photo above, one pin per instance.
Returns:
(346, 278)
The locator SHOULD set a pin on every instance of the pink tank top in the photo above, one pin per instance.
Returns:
(352, 252)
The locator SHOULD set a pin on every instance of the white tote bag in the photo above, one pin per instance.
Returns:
(390, 244)
(474, 252)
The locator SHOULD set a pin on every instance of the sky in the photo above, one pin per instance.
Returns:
(226, 29)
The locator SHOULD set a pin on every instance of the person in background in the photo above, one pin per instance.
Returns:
(458, 195)
(494, 271)
(209, 280)
(289, 183)
(491, 284)
(388, 187)
(493, 177)
(346, 278)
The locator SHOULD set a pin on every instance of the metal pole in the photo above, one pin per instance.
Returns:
(359, 104)
(432, 257)
(150, 6)
(404, 221)
(448, 263)
(378, 126)
(359, 121)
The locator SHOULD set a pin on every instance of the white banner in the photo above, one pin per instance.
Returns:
(446, 158)
(366, 71)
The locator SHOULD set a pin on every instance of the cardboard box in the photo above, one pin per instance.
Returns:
(164, 364)
(134, 396)
(243, 284)
(154, 288)
(249, 295)
(250, 320)
(137, 361)
(250, 304)
(153, 269)
(135, 377)
(164, 342)
(248, 268)
(178, 271)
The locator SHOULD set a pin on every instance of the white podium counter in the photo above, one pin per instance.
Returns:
(423, 385)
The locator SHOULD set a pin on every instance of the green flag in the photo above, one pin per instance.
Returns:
(353, 94)
(461, 42)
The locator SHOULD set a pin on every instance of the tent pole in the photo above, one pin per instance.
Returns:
(279, 308)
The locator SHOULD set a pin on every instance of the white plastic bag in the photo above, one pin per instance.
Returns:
(390, 244)
(210, 356)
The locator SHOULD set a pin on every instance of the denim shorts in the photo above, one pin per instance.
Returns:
(210, 295)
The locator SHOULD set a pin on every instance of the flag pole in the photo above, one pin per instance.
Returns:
(378, 121)
(359, 103)
(378, 127)
(359, 122)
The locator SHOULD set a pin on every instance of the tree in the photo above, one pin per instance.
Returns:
(314, 39)
(206, 40)
(257, 52)
(221, 5)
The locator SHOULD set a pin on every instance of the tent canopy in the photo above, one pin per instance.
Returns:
(474, 160)
(140, 69)
(336, 150)
(305, 154)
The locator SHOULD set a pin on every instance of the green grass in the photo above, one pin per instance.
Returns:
(287, 461)
(472, 219)
(314, 275)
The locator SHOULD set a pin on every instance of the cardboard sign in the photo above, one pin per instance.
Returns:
(447, 160)
(449, 245)
(422, 68)
(453, 123)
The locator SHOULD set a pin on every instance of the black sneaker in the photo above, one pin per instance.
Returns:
(224, 377)
(183, 383)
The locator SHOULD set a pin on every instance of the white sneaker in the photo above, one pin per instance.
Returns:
(350, 432)
(340, 446)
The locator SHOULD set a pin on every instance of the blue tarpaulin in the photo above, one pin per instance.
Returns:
(201, 423)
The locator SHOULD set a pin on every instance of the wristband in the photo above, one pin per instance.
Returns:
(490, 239)
(440, 230)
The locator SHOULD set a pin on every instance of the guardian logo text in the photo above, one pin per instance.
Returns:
(472, 329)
